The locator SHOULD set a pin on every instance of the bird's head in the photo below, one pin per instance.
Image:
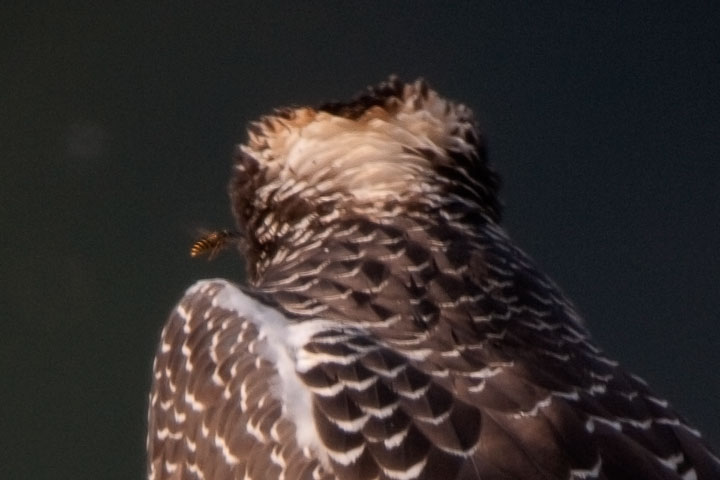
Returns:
(395, 146)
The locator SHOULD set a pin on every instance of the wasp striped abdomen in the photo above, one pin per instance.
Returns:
(213, 243)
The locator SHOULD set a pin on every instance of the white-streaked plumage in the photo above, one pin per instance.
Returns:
(389, 328)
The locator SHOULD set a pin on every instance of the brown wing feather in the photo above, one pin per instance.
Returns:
(469, 363)
(211, 406)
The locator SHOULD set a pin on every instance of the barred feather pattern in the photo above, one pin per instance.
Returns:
(404, 340)
(478, 368)
(213, 414)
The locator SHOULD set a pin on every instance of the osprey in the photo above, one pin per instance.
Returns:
(389, 328)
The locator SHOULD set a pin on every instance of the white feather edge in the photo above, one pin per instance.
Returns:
(280, 341)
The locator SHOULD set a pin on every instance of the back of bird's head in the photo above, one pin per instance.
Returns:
(396, 145)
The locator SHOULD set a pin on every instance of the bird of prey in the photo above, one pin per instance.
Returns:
(388, 327)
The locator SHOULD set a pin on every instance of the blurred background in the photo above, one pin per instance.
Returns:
(118, 123)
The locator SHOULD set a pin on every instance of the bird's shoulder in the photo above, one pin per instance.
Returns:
(215, 406)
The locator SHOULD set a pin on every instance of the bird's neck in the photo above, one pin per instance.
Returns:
(285, 236)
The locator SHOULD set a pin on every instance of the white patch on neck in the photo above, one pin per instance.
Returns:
(280, 340)
(373, 158)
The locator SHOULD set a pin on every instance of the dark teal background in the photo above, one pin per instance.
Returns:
(116, 129)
